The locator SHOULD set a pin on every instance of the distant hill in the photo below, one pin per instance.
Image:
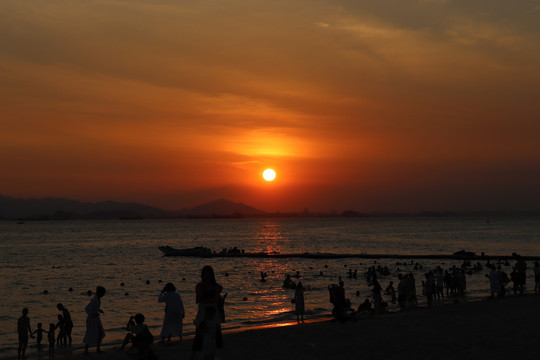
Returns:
(64, 209)
(222, 207)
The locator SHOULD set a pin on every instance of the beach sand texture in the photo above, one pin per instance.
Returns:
(492, 328)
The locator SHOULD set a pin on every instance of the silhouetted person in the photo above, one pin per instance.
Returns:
(365, 307)
(61, 339)
(390, 291)
(403, 289)
(503, 281)
(299, 307)
(67, 321)
(23, 328)
(174, 313)
(494, 282)
(288, 283)
(94, 328)
(337, 298)
(377, 297)
(536, 270)
(209, 299)
(209, 328)
(440, 284)
(521, 276)
(39, 337)
(430, 288)
(140, 337)
(50, 337)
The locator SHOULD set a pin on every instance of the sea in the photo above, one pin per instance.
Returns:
(43, 263)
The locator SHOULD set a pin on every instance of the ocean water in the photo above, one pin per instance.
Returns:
(56, 256)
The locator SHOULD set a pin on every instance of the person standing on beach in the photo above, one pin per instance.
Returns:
(94, 328)
(403, 289)
(494, 287)
(430, 288)
(39, 331)
(51, 338)
(299, 302)
(174, 313)
(23, 328)
(67, 321)
(520, 276)
(208, 296)
(536, 270)
(61, 339)
(209, 328)
(440, 284)
(390, 291)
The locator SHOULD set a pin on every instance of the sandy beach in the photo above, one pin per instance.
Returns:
(491, 328)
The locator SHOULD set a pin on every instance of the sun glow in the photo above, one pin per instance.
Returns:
(269, 175)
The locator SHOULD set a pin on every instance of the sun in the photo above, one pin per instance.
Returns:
(269, 175)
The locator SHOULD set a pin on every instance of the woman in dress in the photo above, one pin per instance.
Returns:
(174, 313)
(94, 328)
(208, 295)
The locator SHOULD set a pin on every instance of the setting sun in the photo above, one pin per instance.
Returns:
(269, 174)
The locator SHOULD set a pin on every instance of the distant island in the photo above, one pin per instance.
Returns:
(64, 209)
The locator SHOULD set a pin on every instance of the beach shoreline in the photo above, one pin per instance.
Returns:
(492, 327)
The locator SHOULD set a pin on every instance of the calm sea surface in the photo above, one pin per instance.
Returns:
(56, 256)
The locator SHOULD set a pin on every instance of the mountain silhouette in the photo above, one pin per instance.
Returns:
(64, 209)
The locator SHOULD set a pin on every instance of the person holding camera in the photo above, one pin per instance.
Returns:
(174, 313)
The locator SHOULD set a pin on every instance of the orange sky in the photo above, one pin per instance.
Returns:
(401, 105)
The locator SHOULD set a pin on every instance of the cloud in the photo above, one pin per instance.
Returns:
(476, 33)
(438, 2)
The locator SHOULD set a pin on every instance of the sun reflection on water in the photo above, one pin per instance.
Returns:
(268, 237)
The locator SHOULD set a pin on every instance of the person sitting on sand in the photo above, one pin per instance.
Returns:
(365, 307)
(140, 337)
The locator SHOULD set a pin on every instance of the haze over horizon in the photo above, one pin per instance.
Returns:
(402, 105)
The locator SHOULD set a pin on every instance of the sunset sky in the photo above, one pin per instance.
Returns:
(398, 105)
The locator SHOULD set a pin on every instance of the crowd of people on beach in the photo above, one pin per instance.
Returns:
(437, 285)
(208, 336)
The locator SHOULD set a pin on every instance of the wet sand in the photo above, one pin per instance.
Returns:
(491, 328)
